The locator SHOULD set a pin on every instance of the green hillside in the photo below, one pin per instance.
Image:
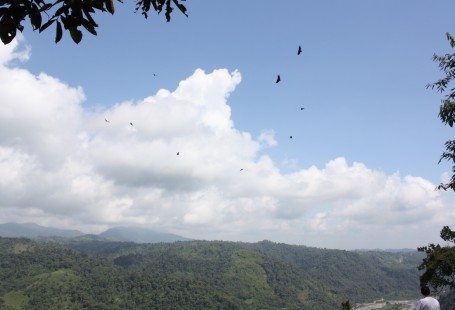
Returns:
(196, 275)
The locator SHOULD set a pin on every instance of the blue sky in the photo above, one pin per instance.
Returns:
(361, 77)
(364, 153)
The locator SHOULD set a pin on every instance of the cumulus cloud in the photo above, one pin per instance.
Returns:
(11, 52)
(267, 138)
(63, 165)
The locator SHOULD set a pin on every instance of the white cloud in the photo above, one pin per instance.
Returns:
(61, 165)
(11, 52)
(267, 138)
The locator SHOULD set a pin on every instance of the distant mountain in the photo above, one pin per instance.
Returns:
(402, 250)
(125, 234)
(32, 230)
(139, 235)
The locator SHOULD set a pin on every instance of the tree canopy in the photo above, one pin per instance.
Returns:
(92, 274)
(439, 264)
(447, 109)
(346, 305)
(69, 15)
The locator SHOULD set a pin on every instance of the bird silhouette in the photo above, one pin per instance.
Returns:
(299, 51)
(154, 74)
(290, 137)
(241, 169)
(301, 109)
(131, 124)
(178, 153)
(278, 79)
(106, 120)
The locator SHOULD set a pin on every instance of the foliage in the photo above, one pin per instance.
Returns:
(346, 305)
(196, 274)
(70, 15)
(447, 299)
(439, 264)
(447, 109)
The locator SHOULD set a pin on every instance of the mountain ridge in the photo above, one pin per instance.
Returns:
(119, 233)
(139, 235)
(33, 230)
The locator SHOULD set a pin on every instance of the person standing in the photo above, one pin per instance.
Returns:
(428, 302)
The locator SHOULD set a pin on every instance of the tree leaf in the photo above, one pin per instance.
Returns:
(46, 24)
(110, 6)
(62, 9)
(35, 16)
(89, 17)
(181, 7)
(89, 27)
(45, 7)
(98, 4)
(169, 10)
(451, 39)
(76, 35)
(7, 29)
(58, 32)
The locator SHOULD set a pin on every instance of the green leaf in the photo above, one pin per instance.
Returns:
(89, 27)
(45, 7)
(46, 24)
(146, 6)
(110, 6)
(98, 4)
(169, 10)
(58, 32)
(7, 29)
(35, 17)
(451, 39)
(61, 10)
(89, 17)
(6, 37)
(76, 35)
(181, 7)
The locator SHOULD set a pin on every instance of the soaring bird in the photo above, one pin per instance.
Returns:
(154, 74)
(278, 79)
(131, 124)
(299, 51)
(178, 153)
(290, 137)
(105, 119)
(301, 109)
(241, 169)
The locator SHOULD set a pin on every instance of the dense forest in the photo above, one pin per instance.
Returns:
(91, 274)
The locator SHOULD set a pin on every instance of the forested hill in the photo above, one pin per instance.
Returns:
(196, 275)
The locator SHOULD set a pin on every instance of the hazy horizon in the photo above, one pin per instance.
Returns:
(189, 239)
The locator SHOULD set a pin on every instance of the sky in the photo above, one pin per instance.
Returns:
(359, 172)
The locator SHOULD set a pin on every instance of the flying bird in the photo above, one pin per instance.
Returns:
(301, 109)
(131, 124)
(106, 120)
(178, 153)
(154, 74)
(278, 79)
(290, 137)
(241, 169)
(299, 51)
